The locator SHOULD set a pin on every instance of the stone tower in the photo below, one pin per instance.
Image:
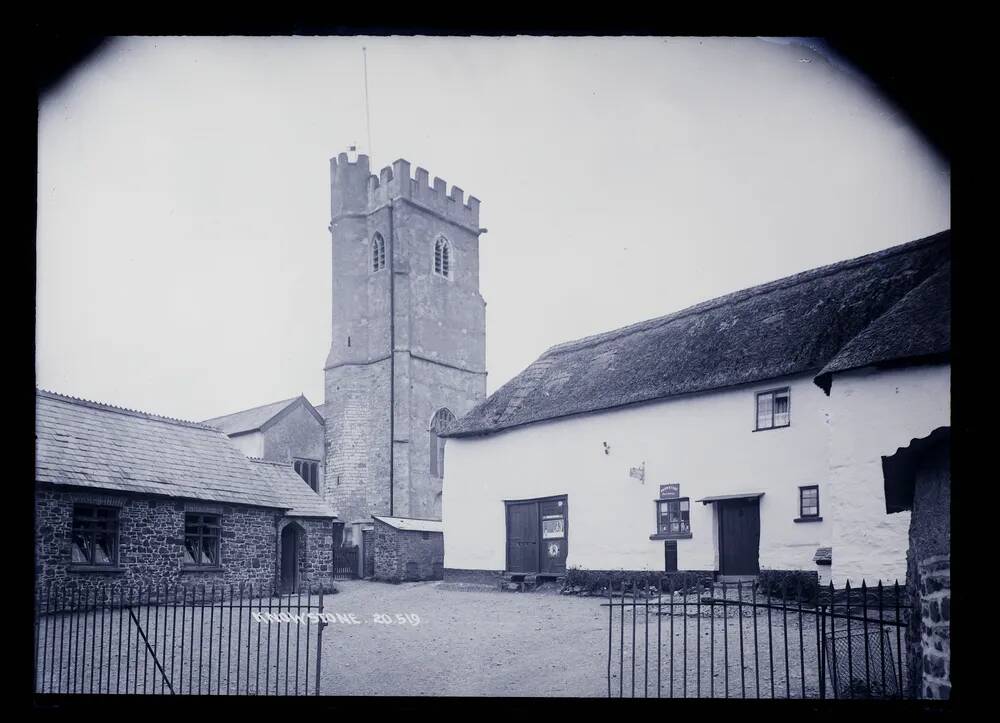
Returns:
(408, 340)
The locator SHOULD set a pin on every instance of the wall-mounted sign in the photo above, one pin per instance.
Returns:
(638, 473)
(669, 492)
(553, 526)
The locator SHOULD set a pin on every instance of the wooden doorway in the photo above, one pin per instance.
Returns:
(290, 537)
(739, 536)
(537, 535)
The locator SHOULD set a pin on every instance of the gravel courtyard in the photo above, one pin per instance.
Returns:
(466, 643)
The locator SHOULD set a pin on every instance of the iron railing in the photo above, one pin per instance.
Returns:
(177, 639)
(682, 637)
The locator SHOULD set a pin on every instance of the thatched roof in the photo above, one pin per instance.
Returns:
(790, 326)
(917, 327)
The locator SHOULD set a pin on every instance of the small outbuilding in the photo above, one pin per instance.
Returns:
(918, 480)
(408, 549)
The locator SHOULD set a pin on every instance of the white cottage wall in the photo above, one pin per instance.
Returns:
(705, 442)
(872, 414)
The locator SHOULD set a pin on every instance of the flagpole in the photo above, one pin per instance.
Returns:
(368, 120)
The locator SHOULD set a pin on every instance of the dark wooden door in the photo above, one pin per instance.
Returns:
(739, 536)
(553, 523)
(289, 559)
(522, 537)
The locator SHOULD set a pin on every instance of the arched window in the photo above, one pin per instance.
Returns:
(378, 253)
(442, 257)
(443, 419)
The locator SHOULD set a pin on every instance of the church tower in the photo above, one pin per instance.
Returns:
(408, 348)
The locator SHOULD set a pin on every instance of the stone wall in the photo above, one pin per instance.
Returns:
(406, 555)
(297, 435)
(935, 627)
(929, 577)
(151, 541)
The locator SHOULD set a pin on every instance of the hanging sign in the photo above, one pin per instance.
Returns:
(638, 473)
(669, 492)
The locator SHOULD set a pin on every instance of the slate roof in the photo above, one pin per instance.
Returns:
(917, 327)
(100, 446)
(789, 326)
(293, 490)
(411, 524)
(251, 420)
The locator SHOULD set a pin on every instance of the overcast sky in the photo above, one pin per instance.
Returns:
(183, 193)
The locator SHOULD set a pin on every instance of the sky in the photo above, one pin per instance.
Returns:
(183, 256)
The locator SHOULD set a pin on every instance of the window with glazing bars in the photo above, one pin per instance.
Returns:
(809, 501)
(773, 408)
(201, 539)
(95, 535)
(673, 517)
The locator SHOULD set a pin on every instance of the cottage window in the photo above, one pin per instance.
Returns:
(308, 470)
(809, 502)
(440, 423)
(442, 257)
(95, 535)
(773, 409)
(378, 253)
(673, 517)
(201, 539)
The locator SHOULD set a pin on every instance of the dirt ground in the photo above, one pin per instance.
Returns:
(467, 643)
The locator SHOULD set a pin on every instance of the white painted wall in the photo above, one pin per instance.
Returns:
(704, 442)
(252, 444)
(872, 414)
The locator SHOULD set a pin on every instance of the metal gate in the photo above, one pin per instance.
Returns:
(345, 562)
(684, 637)
(178, 639)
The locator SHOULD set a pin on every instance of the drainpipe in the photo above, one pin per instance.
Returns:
(392, 354)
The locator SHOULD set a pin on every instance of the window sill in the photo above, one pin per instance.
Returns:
(808, 519)
(201, 568)
(769, 429)
(671, 536)
(95, 568)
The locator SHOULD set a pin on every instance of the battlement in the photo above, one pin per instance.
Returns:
(395, 182)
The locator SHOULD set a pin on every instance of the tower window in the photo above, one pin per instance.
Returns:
(442, 257)
(378, 253)
(440, 423)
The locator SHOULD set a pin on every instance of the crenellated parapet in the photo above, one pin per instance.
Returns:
(395, 182)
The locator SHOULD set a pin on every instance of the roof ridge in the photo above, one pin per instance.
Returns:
(252, 409)
(748, 293)
(80, 401)
(276, 463)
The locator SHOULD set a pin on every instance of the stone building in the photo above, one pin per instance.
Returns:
(290, 430)
(131, 497)
(408, 343)
(407, 353)
(407, 549)
(705, 440)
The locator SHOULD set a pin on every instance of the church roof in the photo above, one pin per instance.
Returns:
(87, 444)
(790, 326)
(257, 418)
(293, 490)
